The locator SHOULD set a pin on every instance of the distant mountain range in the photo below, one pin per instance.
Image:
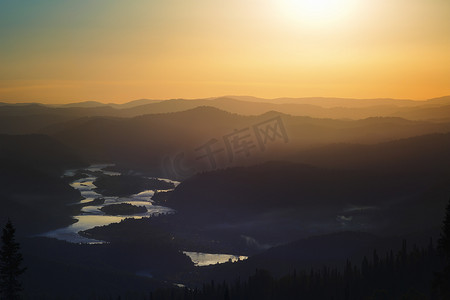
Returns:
(29, 118)
(149, 135)
(326, 102)
(144, 141)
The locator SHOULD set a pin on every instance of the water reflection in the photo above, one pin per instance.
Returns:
(91, 216)
(205, 259)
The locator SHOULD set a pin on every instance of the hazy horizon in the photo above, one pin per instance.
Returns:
(240, 97)
(60, 52)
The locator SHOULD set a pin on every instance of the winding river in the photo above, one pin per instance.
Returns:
(92, 216)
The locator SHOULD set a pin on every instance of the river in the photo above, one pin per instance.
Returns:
(92, 216)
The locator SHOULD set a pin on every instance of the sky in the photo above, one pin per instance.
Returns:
(59, 51)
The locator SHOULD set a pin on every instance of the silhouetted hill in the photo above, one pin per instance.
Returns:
(425, 112)
(335, 108)
(401, 185)
(271, 186)
(227, 104)
(31, 118)
(129, 104)
(32, 192)
(61, 270)
(328, 102)
(422, 154)
(134, 103)
(143, 142)
(330, 250)
(24, 109)
(28, 124)
(445, 100)
(398, 273)
(34, 200)
(37, 151)
(83, 104)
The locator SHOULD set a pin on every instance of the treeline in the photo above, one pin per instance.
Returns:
(402, 275)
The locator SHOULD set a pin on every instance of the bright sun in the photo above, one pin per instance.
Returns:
(317, 12)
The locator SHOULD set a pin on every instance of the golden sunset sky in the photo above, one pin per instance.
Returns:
(57, 51)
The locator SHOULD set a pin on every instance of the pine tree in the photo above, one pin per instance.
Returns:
(10, 264)
(443, 278)
(444, 241)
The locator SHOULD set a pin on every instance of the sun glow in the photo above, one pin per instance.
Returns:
(318, 12)
(112, 51)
